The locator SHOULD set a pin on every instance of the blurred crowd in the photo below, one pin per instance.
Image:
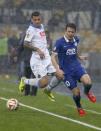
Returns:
(15, 17)
(18, 11)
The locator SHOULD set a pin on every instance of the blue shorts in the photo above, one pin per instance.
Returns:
(73, 76)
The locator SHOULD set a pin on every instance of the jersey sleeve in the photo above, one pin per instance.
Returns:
(29, 35)
(57, 47)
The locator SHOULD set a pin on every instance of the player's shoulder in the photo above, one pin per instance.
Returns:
(30, 29)
(60, 40)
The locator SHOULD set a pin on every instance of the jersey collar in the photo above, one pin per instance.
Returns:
(39, 27)
(67, 39)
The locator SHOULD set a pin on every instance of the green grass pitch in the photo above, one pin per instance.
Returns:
(28, 119)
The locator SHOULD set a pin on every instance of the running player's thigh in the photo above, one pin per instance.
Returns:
(44, 81)
(85, 79)
(38, 69)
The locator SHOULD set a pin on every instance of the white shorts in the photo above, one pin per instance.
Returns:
(40, 67)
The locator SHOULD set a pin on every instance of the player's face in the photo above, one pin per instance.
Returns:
(69, 33)
(36, 20)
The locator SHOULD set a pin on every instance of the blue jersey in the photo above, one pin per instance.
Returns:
(67, 53)
(68, 60)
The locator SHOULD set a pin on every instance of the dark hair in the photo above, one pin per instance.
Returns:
(36, 13)
(71, 25)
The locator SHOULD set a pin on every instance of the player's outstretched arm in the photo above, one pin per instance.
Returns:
(54, 62)
(59, 72)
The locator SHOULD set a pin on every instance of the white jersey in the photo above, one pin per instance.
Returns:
(37, 38)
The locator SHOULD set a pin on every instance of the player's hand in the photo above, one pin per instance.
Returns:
(59, 74)
(41, 54)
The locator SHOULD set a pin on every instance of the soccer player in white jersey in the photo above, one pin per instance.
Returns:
(40, 61)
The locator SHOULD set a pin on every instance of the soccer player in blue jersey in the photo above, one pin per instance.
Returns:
(70, 67)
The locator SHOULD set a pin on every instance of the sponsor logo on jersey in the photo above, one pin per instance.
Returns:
(71, 51)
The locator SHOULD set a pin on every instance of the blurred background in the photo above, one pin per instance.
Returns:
(15, 18)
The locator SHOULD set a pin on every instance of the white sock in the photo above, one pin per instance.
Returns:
(32, 82)
(53, 83)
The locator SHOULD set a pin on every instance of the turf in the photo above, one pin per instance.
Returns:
(3, 46)
(25, 119)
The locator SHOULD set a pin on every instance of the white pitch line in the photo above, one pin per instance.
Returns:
(58, 116)
(92, 111)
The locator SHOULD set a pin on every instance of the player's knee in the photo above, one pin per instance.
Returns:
(76, 91)
(87, 82)
(86, 79)
(43, 83)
